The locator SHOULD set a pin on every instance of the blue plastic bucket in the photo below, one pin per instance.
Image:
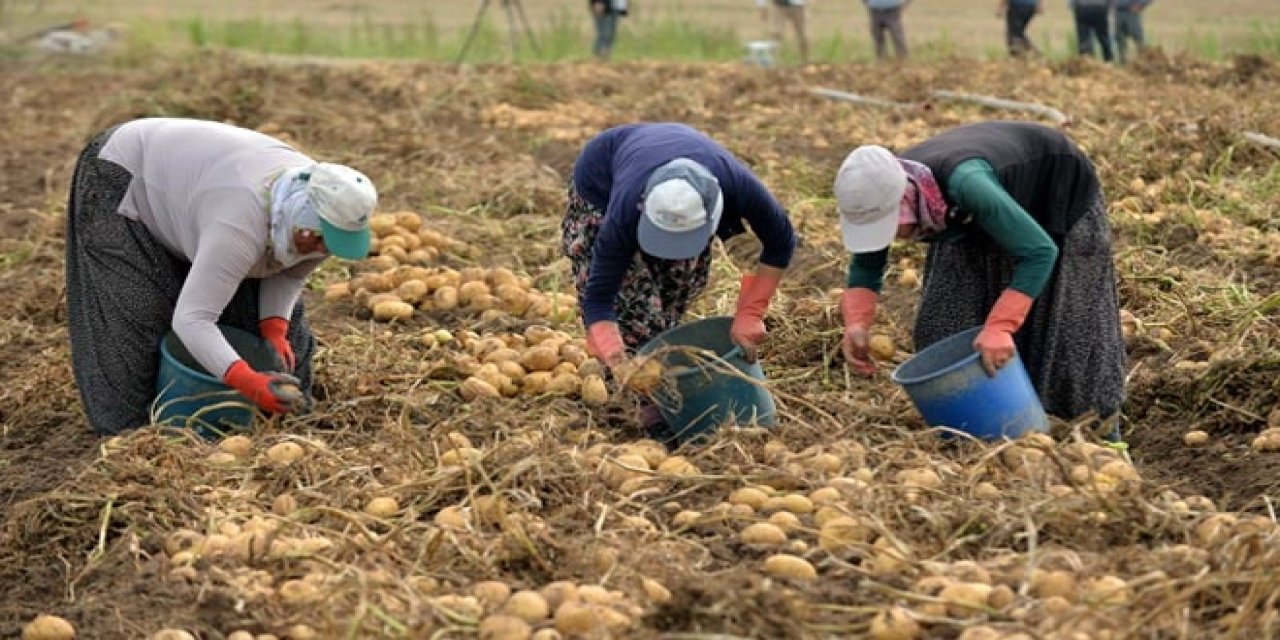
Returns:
(187, 396)
(708, 383)
(949, 387)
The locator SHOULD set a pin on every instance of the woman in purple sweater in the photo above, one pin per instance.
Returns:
(645, 202)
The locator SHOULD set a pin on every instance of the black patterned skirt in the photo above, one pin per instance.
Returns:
(654, 292)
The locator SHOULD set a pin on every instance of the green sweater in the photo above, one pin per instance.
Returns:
(976, 190)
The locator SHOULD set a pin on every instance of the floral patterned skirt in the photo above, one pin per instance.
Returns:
(654, 292)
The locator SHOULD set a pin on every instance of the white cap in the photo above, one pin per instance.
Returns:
(344, 199)
(682, 209)
(869, 188)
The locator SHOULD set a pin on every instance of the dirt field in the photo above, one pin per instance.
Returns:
(968, 26)
(1045, 539)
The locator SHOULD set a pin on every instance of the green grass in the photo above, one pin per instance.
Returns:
(565, 36)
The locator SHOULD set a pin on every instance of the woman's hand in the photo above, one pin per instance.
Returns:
(856, 346)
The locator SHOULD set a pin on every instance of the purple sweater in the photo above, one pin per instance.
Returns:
(611, 174)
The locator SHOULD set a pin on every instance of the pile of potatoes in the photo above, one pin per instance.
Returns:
(541, 360)
(400, 238)
(394, 294)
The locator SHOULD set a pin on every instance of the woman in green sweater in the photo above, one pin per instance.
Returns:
(1019, 242)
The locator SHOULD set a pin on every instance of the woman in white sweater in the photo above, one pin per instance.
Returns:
(183, 224)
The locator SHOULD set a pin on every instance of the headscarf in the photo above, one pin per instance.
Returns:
(289, 210)
(922, 203)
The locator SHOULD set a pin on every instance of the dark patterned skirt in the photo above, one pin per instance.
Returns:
(122, 286)
(1070, 343)
(654, 293)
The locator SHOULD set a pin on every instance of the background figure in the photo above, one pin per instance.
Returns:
(1091, 24)
(1129, 25)
(886, 15)
(1017, 15)
(787, 11)
(606, 14)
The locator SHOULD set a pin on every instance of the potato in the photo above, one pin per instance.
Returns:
(452, 517)
(298, 592)
(909, 278)
(382, 507)
(678, 466)
(381, 262)
(1109, 591)
(641, 374)
(392, 240)
(512, 370)
(445, 298)
(573, 353)
(285, 453)
(409, 220)
(965, 598)
(762, 534)
(382, 223)
(539, 359)
(535, 383)
(412, 291)
(284, 505)
(1048, 584)
(841, 534)
(221, 459)
(558, 593)
(47, 627)
(750, 496)
(172, 634)
(474, 388)
(882, 347)
(502, 354)
(894, 623)
(529, 606)
(565, 384)
(491, 593)
(1195, 438)
(504, 627)
(392, 311)
(594, 392)
(337, 291)
(399, 254)
(579, 618)
(537, 333)
(784, 565)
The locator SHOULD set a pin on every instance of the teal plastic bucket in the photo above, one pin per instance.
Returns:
(949, 387)
(708, 382)
(187, 396)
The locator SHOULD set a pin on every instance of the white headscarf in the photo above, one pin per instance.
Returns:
(290, 209)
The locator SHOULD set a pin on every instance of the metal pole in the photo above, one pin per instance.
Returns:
(471, 35)
(528, 31)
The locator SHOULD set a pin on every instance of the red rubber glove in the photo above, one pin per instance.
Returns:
(604, 343)
(858, 306)
(754, 294)
(995, 341)
(273, 392)
(273, 330)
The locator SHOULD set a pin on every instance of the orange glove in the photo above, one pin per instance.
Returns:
(604, 343)
(754, 295)
(273, 392)
(273, 331)
(995, 341)
(858, 306)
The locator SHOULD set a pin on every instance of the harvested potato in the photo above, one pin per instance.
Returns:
(409, 220)
(47, 627)
(763, 534)
(894, 623)
(785, 565)
(564, 384)
(392, 310)
(594, 392)
(445, 298)
(882, 347)
(474, 388)
(337, 291)
(1195, 438)
(539, 358)
(382, 507)
(529, 606)
(285, 453)
(504, 627)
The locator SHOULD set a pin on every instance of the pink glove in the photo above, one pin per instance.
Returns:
(754, 295)
(995, 341)
(273, 331)
(273, 392)
(858, 306)
(604, 343)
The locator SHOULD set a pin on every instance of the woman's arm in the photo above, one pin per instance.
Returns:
(976, 189)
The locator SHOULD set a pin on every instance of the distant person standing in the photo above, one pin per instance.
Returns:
(1017, 15)
(1091, 24)
(606, 14)
(1129, 25)
(787, 11)
(886, 16)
